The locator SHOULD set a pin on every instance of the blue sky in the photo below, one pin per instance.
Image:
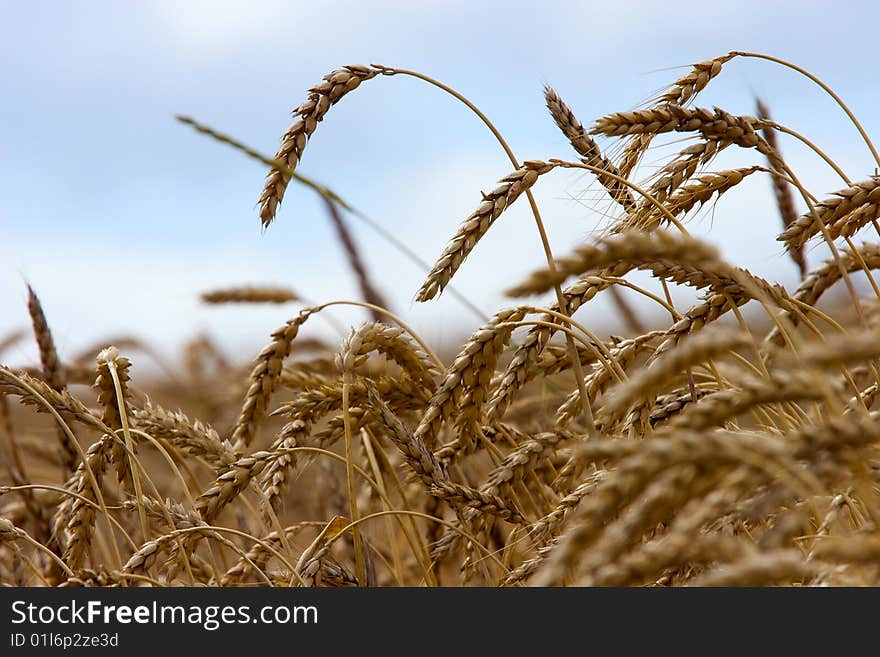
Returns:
(119, 216)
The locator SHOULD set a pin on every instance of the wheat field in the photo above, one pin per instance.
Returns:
(717, 448)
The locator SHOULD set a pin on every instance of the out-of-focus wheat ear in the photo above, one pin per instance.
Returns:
(634, 247)
(781, 190)
(250, 294)
(10, 340)
(41, 515)
(307, 116)
(785, 566)
(477, 225)
(111, 405)
(589, 151)
(719, 407)
(369, 293)
(264, 377)
(53, 372)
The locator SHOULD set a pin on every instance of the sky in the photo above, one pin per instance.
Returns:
(119, 216)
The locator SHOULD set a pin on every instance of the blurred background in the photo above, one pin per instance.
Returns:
(119, 216)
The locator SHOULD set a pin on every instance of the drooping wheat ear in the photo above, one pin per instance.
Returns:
(843, 214)
(660, 501)
(63, 402)
(259, 554)
(250, 294)
(264, 378)
(111, 405)
(475, 226)
(166, 513)
(93, 577)
(526, 362)
(692, 83)
(394, 344)
(447, 453)
(548, 526)
(511, 472)
(839, 350)
(468, 379)
(714, 125)
(524, 459)
(680, 169)
(369, 293)
(53, 372)
(781, 190)
(823, 277)
(589, 151)
(193, 437)
(307, 116)
(634, 247)
(401, 393)
(681, 92)
(699, 192)
(646, 383)
(230, 483)
(429, 472)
